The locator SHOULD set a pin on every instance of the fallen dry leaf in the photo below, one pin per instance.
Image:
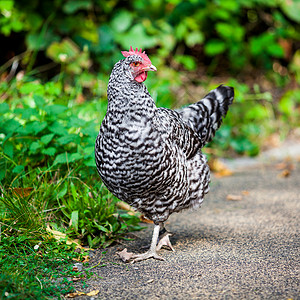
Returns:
(62, 236)
(93, 293)
(22, 192)
(78, 278)
(223, 173)
(245, 193)
(285, 165)
(285, 173)
(125, 256)
(86, 258)
(231, 197)
(75, 294)
(219, 168)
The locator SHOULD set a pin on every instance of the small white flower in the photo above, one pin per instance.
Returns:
(6, 13)
(63, 57)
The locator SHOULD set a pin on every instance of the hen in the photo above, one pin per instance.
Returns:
(151, 157)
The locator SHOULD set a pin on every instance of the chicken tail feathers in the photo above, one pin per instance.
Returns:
(205, 116)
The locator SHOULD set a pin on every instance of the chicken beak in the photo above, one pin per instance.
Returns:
(150, 68)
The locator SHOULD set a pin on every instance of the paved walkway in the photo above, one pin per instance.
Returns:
(228, 249)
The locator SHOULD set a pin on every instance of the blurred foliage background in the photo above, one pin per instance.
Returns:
(55, 61)
(56, 58)
(72, 45)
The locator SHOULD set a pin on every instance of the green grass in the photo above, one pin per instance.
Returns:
(33, 264)
(39, 206)
(36, 273)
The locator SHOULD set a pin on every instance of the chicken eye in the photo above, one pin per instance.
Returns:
(136, 64)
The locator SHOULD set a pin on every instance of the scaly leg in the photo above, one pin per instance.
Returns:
(152, 251)
(164, 239)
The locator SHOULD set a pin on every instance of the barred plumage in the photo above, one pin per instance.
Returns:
(151, 157)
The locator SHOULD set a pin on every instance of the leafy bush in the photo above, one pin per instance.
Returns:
(47, 165)
(78, 38)
(43, 135)
(92, 216)
(242, 33)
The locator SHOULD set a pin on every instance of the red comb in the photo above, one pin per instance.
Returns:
(137, 52)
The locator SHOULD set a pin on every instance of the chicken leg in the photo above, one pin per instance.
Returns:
(151, 253)
(164, 239)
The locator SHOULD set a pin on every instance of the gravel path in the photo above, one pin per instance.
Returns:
(228, 249)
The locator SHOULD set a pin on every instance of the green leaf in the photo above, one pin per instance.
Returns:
(39, 101)
(8, 148)
(6, 5)
(63, 191)
(89, 162)
(230, 5)
(287, 104)
(4, 108)
(68, 139)
(64, 51)
(49, 151)
(73, 191)
(61, 158)
(214, 47)
(58, 128)
(90, 130)
(181, 31)
(275, 50)
(75, 156)
(188, 61)
(55, 109)
(194, 38)
(32, 128)
(102, 228)
(89, 151)
(242, 144)
(46, 139)
(30, 87)
(26, 113)
(106, 36)
(74, 219)
(257, 112)
(18, 169)
(11, 126)
(72, 6)
(34, 147)
(35, 41)
(2, 173)
(122, 21)
(53, 88)
(136, 36)
(230, 31)
(291, 9)
(76, 122)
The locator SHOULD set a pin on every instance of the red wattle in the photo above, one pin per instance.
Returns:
(142, 77)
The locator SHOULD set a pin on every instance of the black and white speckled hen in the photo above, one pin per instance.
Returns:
(151, 157)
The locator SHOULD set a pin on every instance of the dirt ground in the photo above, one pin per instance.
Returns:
(242, 244)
